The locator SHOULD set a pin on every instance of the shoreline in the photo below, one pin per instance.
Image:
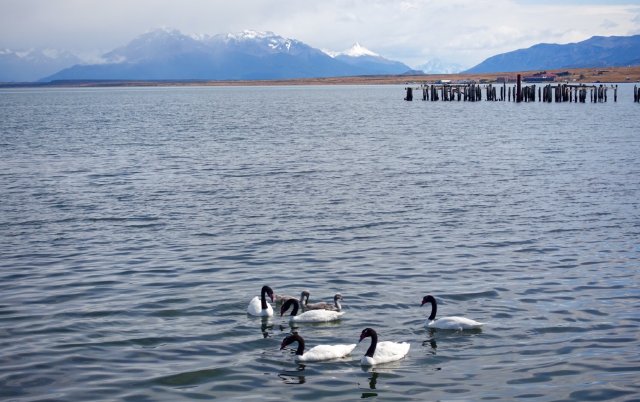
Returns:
(605, 75)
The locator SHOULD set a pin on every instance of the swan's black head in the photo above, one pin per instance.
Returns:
(268, 291)
(289, 303)
(367, 332)
(287, 341)
(291, 339)
(428, 299)
(338, 296)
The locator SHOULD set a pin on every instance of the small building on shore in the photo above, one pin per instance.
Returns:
(542, 76)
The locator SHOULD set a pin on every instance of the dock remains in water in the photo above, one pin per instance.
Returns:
(561, 92)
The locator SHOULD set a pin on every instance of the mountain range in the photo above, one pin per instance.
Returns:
(597, 51)
(166, 54)
(249, 55)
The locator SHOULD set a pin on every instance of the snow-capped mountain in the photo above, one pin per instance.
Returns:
(154, 45)
(167, 54)
(260, 43)
(370, 62)
(357, 50)
(30, 65)
(437, 66)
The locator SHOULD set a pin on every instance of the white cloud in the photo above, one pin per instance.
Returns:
(413, 31)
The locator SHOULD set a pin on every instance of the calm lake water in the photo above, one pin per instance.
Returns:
(137, 223)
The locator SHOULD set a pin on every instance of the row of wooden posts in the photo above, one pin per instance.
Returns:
(519, 93)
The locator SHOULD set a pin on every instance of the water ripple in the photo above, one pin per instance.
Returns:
(136, 224)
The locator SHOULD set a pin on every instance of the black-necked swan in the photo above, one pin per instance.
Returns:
(258, 306)
(317, 353)
(284, 298)
(336, 306)
(382, 352)
(457, 323)
(309, 316)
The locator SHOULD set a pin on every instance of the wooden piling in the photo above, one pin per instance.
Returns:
(519, 89)
(409, 96)
(558, 93)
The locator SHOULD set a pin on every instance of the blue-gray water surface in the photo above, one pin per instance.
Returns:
(137, 223)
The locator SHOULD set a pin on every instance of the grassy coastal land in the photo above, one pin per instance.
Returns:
(578, 75)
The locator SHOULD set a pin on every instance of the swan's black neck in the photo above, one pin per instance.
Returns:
(298, 338)
(263, 299)
(434, 306)
(288, 304)
(294, 338)
(374, 344)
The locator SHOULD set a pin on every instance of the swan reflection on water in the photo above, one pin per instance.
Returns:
(266, 326)
(431, 343)
(293, 377)
(296, 325)
(375, 372)
(384, 367)
(457, 332)
(373, 381)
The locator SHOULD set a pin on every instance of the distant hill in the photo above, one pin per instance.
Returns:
(437, 66)
(30, 65)
(249, 55)
(597, 51)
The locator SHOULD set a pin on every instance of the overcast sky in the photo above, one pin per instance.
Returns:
(412, 31)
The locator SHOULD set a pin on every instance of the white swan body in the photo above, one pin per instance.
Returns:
(454, 323)
(326, 352)
(255, 308)
(386, 352)
(258, 306)
(309, 316)
(317, 353)
(382, 352)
